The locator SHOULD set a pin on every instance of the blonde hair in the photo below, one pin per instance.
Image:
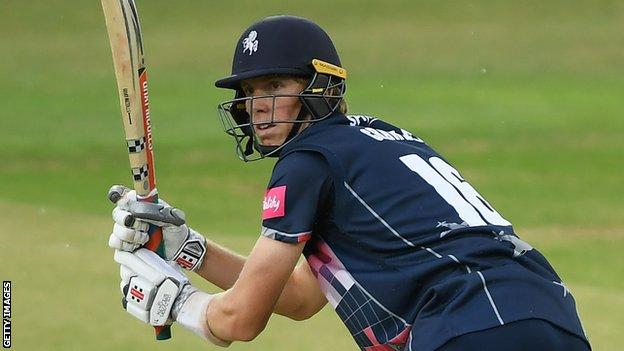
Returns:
(344, 107)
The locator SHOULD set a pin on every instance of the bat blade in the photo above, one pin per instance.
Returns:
(124, 33)
(126, 42)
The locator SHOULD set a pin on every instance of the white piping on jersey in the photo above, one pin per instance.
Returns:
(566, 291)
(565, 288)
(409, 243)
(456, 260)
(269, 232)
(487, 292)
(431, 251)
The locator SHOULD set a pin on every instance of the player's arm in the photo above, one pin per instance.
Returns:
(267, 281)
(301, 296)
(156, 293)
(221, 266)
(242, 312)
(298, 194)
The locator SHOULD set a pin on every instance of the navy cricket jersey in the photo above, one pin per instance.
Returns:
(407, 252)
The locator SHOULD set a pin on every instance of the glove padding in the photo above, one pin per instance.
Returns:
(151, 287)
(183, 245)
(158, 294)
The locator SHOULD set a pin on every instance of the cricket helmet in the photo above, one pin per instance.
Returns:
(282, 45)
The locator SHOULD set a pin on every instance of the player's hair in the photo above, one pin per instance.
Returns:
(344, 107)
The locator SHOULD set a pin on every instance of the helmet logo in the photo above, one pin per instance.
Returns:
(251, 43)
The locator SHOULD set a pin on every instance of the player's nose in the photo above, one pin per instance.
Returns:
(261, 108)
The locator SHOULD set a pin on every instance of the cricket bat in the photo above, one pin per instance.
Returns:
(124, 33)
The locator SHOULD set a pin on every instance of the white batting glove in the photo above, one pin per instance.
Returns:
(158, 294)
(183, 245)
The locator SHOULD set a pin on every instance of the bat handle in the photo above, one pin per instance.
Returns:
(163, 333)
(155, 243)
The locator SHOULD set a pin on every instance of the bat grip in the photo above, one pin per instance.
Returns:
(163, 333)
(155, 243)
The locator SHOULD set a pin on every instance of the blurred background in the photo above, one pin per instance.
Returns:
(524, 98)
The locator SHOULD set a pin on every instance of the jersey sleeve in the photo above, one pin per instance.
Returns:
(298, 190)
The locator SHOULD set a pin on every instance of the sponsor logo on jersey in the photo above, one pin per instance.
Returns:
(274, 203)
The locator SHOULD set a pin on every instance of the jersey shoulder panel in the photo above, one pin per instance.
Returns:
(299, 187)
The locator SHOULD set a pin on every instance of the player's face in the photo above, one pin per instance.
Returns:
(267, 113)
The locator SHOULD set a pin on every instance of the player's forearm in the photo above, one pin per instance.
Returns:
(301, 297)
(234, 319)
(221, 266)
(242, 312)
(292, 303)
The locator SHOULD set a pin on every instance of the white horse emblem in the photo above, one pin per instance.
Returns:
(251, 43)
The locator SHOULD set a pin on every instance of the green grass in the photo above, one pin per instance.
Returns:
(525, 99)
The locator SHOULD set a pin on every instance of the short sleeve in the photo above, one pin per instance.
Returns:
(298, 190)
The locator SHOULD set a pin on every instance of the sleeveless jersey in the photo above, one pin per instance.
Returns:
(407, 252)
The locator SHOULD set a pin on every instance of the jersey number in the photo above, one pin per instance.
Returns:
(470, 206)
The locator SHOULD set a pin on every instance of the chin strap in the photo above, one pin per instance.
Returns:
(266, 151)
(249, 146)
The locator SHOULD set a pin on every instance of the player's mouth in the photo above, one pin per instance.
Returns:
(267, 133)
(265, 126)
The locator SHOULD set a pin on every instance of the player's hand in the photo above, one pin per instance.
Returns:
(158, 294)
(153, 290)
(133, 218)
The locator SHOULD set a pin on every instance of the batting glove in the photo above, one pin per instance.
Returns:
(132, 218)
(158, 294)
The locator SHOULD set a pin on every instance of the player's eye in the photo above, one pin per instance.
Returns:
(275, 84)
(247, 91)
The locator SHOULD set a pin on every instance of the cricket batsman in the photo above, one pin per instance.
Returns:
(406, 251)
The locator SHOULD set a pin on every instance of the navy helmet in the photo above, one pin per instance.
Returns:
(279, 45)
(282, 45)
